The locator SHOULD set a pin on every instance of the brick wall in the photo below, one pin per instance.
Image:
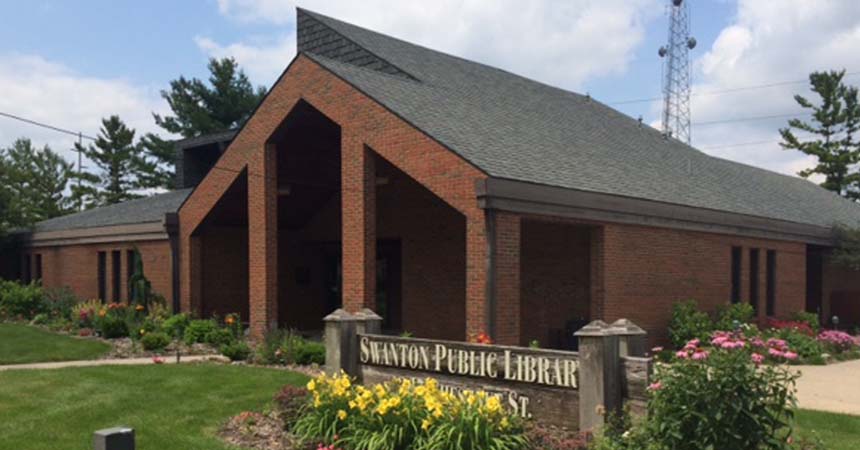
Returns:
(646, 270)
(76, 267)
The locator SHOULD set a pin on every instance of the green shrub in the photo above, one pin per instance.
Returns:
(309, 352)
(112, 326)
(175, 325)
(219, 337)
(721, 399)
(197, 330)
(809, 318)
(155, 341)
(22, 300)
(728, 316)
(688, 323)
(236, 350)
(60, 301)
(41, 319)
(808, 349)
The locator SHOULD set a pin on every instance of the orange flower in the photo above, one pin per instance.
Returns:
(229, 320)
(138, 308)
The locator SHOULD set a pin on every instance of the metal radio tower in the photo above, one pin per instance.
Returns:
(676, 72)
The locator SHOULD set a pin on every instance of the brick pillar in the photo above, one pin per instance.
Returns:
(358, 206)
(193, 300)
(476, 274)
(597, 265)
(507, 279)
(263, 240)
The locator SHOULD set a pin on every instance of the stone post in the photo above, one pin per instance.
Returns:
(632, 340)
(367, 322)
(114, 439)
(599, 374)
(341, 344)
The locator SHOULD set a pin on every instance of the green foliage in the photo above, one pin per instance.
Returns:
(283, 346)
(112, 326)
(219, 337)
(117, 159)
(175, 325)
(155, 341)
(688, 323)
(808, 348)
(34, 182)
(835, 121)
(60, 301)
(226, 102)
(21, 300)
(198, 330)
(720, 402)
(236, 350)
(734, 314)
(846, 252)
(810, 318)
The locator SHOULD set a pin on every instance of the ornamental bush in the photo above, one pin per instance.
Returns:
(155, 341)
(21, 300)
(722, 397)
(197, 330)
(688, 323)
(236, 350)
(406, 416)
(838, 341)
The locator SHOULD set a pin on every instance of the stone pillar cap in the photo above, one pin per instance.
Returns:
(595, 328)
(626, 327)
(339, 315)
(367, 314)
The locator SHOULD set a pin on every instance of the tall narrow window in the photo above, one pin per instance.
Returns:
(37, 270)
(771, 283)
(26, 274)
(130, 264)
(754, 278)
(102, 276)
(736, 274)
(116, 271)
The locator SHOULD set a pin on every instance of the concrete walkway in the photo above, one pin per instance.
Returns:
(832, 388)
(171, 359)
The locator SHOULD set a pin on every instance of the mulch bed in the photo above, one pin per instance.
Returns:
(261, 431)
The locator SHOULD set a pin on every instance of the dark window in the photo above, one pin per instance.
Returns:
(38, 268)
(754, 278)
(102, 269)
(131, 264)
(26, 274)
(116, 271)
(771, 282)
(736, 274)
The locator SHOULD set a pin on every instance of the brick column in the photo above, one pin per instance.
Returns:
(263, 240)
(476, 274)
(358, 229)
(191, 259)
(507, 279)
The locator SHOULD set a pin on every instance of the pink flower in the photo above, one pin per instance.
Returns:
(692, 345)
(700, 355)
(775, 353)
(791, 356)
(655, 386)
(656, 349)
(757, 358)
(157, 360)
(682, 354)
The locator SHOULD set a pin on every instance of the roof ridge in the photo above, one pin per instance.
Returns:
(314, 16)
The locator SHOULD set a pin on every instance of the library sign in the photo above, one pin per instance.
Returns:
(534, 383)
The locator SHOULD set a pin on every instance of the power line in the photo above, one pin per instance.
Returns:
(44, 125)
(723, 91)
(751, 118)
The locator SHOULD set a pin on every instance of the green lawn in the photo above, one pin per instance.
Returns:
(170, 407)
(21, 344)
(837, 431)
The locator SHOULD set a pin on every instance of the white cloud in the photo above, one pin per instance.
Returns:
(561, 42)
(769, 42)
(51, 93)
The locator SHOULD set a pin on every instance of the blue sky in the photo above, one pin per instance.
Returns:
(71, 62)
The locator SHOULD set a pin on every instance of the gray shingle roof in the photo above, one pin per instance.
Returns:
(515, 128)
(142, 210)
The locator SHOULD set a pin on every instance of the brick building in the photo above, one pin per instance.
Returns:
(454, 198)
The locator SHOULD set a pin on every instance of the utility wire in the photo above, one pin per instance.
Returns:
(44, 125)
(751, 118)
(723, 91)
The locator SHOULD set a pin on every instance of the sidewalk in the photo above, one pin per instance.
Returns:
(832, 388)
(168, 359)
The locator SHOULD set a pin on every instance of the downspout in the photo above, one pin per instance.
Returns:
(490, 219)
(171, 226)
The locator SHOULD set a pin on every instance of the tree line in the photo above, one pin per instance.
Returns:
(38, 184)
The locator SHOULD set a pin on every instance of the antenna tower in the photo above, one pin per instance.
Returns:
(676, 72)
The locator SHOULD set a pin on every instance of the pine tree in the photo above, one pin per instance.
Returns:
(226, 102)
(119, 162)
(34, 183)
(835, 121)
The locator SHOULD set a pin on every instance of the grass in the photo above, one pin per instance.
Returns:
(21, 344)
(175, 407)
(837, 431)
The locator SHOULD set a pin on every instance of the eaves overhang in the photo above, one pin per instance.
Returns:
(147, 231)
(530, 198)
